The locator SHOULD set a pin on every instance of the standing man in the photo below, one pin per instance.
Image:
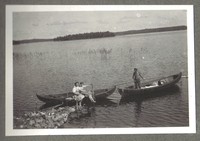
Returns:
(136, 77)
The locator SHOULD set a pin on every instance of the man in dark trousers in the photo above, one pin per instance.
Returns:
(136, 77)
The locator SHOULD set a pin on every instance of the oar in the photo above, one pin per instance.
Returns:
(93, 92)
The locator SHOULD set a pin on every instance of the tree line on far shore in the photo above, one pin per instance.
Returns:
(85, 36)
(92, 35)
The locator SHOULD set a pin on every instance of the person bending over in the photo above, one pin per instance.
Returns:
(84, 91)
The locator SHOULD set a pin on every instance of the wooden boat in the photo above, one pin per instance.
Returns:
(59, 98)
(152, 88)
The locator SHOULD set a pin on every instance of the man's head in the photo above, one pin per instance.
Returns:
(76, 84)
(135, 69)
(81, 83)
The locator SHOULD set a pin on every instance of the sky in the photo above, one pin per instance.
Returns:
(30, 25)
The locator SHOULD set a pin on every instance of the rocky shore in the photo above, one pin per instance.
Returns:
(51, 118)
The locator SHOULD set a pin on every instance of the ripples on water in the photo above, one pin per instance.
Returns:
(53, 67)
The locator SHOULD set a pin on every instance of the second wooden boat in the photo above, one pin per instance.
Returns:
(152, 88)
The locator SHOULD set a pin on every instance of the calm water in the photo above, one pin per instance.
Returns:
(53, 67)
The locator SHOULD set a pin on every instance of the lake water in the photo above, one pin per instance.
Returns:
(53, 67)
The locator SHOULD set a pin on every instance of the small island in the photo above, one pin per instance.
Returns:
(85, 36)
(93, 35)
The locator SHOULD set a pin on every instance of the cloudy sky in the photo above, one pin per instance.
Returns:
(29, 25)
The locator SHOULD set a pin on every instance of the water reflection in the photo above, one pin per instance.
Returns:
(137, 111)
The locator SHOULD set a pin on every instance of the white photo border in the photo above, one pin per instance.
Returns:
(9, 131)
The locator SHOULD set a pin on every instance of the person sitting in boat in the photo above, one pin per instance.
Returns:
(136, 77)
(78, 96)
(85, 91)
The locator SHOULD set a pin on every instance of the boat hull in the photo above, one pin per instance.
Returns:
(152, 91)
(54, 98)
(60, 98)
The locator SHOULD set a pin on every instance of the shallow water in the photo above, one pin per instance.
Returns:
(53, 67)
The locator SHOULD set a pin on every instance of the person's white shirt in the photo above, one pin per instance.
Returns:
(76, 90)
(82, 88)
(85, 88)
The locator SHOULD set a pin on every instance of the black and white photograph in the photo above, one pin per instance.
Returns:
(74, 70)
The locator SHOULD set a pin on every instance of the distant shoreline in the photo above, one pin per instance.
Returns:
(93, 35)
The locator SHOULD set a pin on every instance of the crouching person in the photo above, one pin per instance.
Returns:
(88, 93)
